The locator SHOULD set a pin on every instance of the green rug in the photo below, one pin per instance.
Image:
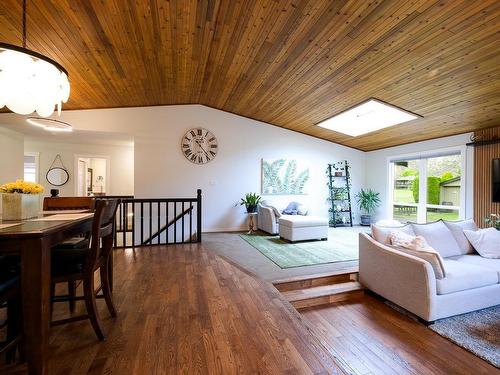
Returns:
(308, 253)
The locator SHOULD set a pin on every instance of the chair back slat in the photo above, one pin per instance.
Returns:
(102, 232)
(68, 203)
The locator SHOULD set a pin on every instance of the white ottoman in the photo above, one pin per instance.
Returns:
(301, 228)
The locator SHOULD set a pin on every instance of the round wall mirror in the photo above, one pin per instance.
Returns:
(57, 176)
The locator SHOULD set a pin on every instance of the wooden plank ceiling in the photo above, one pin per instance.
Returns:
(288, 63)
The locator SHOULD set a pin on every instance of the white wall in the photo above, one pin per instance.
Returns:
(11, 156)
(121, 164)
(377, 169)
(162, 171)
(236, 169)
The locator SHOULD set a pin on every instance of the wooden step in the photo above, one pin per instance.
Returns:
(324, 294)
(310, 281)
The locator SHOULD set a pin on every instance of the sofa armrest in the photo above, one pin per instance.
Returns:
(266, 220)
(401, 278)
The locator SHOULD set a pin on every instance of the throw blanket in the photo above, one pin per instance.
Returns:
(295, 208)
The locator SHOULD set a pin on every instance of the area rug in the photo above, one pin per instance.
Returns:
(307, 253)
(478, 332)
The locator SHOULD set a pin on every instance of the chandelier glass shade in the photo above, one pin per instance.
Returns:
(31, 82)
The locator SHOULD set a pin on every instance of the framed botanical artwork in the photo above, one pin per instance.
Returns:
(284, 177)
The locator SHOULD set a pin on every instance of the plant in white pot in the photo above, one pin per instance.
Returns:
(368, 201)
(20, 200)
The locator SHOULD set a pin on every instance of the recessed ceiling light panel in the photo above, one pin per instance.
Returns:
(50, 124)
(367, 117)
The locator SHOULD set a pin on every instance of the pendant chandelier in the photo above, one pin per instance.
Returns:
(30, 81)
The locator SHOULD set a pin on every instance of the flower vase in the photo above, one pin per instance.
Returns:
(18, 206)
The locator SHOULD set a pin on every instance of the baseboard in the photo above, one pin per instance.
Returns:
(221, 230)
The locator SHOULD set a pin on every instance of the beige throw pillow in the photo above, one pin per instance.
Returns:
(382, 234)
(418, 247)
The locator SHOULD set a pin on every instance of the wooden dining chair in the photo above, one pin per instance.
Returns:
(68, 203)
(81, 264)
(11, 299)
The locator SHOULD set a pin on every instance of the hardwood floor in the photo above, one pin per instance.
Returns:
(184, 310)
(375, 339)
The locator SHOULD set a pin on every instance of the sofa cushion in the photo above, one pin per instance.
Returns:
(485, 241)
(457, 229)
(298, 221)
(478, 260)
(461, 276)
(383, 234)
(439, 237)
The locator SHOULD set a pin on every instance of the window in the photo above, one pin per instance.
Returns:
(441, 197)
(31, 167)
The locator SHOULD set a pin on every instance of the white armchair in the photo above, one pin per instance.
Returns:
(267, 220)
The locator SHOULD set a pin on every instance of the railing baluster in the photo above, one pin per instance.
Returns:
(166, 221)
(159, 222)
(182, 222)
(133, 224)
(198, 216)
(191, 223)
(142, 223)
(175, 222)
(124, 224)
(150, 221)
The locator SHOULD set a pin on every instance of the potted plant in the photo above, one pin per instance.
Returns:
(20, 200)
(250, 201)
(368, 201)
(493, 221)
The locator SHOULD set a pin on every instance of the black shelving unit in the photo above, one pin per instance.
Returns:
(339, 186)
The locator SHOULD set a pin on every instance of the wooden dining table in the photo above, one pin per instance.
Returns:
(33, 240)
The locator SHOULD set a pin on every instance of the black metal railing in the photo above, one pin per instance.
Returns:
(157, 221)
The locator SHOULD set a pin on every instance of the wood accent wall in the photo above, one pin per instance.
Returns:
(483, 156)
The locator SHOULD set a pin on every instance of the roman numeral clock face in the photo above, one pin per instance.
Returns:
(199, 146)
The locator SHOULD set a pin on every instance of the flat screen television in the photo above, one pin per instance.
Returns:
(495, 181)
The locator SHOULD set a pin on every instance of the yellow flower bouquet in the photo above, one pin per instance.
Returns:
(20, 200)
(23, 187)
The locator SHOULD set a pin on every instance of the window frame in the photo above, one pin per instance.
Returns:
(423, 156)
(37, 164)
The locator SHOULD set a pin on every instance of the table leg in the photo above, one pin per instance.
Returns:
(251, 224)
(35, 284)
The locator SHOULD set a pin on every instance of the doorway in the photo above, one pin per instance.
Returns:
(92, 176)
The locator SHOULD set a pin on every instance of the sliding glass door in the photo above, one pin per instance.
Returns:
(440, 197)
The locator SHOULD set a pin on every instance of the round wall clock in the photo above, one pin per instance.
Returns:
(199, 145)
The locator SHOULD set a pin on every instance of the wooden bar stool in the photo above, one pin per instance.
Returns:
(72, 265)
(11, 299)
(63, 204)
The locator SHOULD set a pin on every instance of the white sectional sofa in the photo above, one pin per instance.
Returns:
(471, 282)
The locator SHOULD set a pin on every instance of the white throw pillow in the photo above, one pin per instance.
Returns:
(382, 234)
(439, 237)
(485, 241)
(418, 247)
(457, 229)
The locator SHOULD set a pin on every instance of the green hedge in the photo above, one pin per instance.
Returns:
(432, 189)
